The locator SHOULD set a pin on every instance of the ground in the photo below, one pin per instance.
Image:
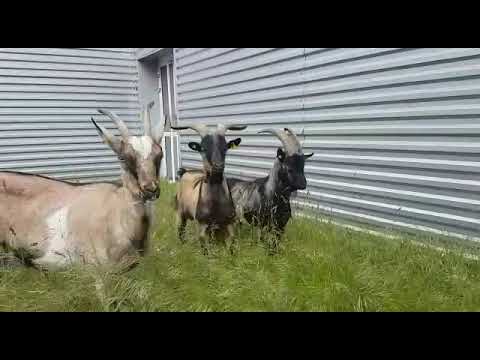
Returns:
(320, 267)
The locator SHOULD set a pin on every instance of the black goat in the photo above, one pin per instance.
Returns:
(265, 202)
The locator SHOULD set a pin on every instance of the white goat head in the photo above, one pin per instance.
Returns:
(140, 155)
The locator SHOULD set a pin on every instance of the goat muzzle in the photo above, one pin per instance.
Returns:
(215, 174)
(218, 169)
(151, 194)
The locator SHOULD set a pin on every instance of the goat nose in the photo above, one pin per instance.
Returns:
(151, 193)
(302, 184)
(218, 165)
(152, 187)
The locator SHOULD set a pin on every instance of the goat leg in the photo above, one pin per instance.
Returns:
(182, 222)
(230, 239)
(260, 236)
(204, 235)
(276, 237)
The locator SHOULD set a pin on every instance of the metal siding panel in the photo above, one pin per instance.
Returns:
(356, 74)
(68, 74)
(16, 89)
(81, 53)
(123, 50)
(227, 61)
(199, 55)
(9, 56)
(61, 81)
(295, 62)
(47, 97)
(395, 131)
(36, 65)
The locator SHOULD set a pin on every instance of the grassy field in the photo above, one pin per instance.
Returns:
(321, 267)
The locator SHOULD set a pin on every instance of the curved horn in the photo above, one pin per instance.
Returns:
(147, 125)
(147, 122)
(222, 129)
(200, 128)
(120, 124)
(293, 138)
(107, 136)
(102, 130)
(290, 146)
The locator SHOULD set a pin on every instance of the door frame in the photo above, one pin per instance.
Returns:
(157, 82)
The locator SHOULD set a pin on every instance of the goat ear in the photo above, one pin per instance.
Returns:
(195, 146)
(234, 143)
(306, 156)
(280, 154)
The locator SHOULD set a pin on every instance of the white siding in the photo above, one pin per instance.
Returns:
(396, 132)
(47, 97)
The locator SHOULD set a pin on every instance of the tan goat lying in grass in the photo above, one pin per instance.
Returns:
(52, 223)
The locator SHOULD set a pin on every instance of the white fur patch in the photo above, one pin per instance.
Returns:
(57, 227)
(142, 145)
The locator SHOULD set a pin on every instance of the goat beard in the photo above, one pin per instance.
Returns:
(215, 177)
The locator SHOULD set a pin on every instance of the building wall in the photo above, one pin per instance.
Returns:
(47, 97)
(395, 131)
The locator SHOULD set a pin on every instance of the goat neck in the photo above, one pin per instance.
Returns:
(130, 184)
(276, 185)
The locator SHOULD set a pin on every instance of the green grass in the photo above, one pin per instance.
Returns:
(320, 267)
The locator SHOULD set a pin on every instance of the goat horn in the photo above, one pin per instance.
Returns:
(101, 129)
(120, 124)
(157, 132)
(147, 124)
(104, 133)
(221, 128)
(291, 147)
(293, 137)
(200, 128)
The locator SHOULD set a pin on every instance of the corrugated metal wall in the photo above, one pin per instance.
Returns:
(395, 131)
(47, 96)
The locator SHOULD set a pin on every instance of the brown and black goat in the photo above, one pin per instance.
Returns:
(203, 195)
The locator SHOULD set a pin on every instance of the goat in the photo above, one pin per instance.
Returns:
(265, 202)
(203, 195)
(54, 223)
